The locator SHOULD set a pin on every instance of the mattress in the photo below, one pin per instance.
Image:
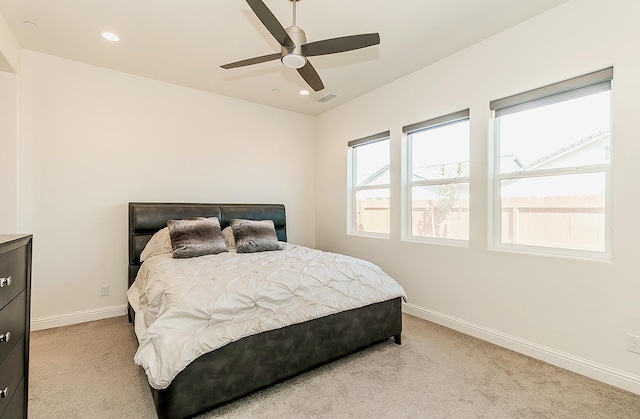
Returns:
(189, 307)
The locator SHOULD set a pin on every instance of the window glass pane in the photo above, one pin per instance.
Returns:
(372, 163)
(566, 211)
(440, 153)
(372, 211)
(440, 211)
(572, 133)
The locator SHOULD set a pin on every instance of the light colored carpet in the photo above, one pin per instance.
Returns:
(87, 371)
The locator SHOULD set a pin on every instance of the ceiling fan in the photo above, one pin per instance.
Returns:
(295, 49)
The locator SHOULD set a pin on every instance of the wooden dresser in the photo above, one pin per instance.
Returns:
(15, 306)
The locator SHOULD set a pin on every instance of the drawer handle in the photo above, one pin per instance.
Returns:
(4, 393)
(5, 337)
(5, 282)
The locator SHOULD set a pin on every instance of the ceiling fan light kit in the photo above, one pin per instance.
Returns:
(295, 50)
(294, 61)
(292, 55)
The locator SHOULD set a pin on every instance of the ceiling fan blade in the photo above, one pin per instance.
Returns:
(342, 44)
(310, 75)
(270, 22)
(251, 61)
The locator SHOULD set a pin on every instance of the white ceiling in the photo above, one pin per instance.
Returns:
(185, 41)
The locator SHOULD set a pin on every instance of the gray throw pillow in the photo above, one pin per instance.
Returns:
(254, 236)
(193, 237)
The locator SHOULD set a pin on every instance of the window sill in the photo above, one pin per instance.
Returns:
(436, 241)
(579, 255)
(370, 235)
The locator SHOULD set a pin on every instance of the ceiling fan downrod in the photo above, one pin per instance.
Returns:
(293, 57)
(294, 12)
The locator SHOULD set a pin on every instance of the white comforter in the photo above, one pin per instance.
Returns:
(194, 306)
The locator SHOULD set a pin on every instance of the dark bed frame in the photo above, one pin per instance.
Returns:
(256, 361)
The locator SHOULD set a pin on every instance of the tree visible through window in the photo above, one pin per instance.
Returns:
(439, 177)
(436, 212)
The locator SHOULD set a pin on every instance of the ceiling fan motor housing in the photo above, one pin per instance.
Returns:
(292, 56)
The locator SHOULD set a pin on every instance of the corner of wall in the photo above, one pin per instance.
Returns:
(9, 49)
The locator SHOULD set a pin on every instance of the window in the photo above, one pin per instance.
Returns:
(438, 178)
(370, 185)
(553, 162)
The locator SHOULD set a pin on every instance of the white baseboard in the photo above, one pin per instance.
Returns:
(612, 376)
(67, 319)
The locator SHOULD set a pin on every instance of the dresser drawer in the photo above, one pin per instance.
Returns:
(11, 373)
(16, 406)
(13, 264)
(13, 323)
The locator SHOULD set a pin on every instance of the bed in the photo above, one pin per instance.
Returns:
(262, 359)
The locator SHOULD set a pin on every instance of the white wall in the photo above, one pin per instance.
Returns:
(574, 313)
(9, 49)
(93, 140)
(8, 152)
(9, 67)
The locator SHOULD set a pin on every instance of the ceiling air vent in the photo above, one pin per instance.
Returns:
(327, 98)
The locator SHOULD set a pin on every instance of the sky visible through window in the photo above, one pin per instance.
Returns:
(440, 146)
(370, 159)
(531, 135)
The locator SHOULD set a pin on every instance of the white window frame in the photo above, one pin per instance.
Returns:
(354, 188)
(585, 85)
(408, 130)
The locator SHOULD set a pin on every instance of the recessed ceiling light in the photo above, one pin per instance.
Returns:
(30, 24)
(110, 36)
(304, 92)
(275, 90)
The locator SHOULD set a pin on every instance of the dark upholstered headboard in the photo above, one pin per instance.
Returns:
(145, 218)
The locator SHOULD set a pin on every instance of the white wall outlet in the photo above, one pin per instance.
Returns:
(104, 290)
(633, 343)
